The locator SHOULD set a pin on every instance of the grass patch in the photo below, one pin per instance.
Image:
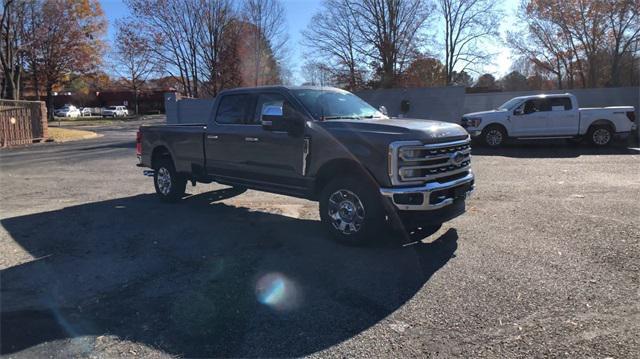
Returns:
(58, 134)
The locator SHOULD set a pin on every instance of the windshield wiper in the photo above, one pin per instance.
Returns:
(340, 118)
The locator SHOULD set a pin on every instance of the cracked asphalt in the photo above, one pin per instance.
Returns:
(544, 263)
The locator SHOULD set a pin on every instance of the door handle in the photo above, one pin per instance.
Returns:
(251, 139)
(212, 137)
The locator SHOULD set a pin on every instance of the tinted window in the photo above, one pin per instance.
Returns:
(537, 105)
(233, 109)
(264, 100)
(564, 102)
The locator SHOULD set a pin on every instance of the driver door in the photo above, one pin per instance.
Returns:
(530, 119)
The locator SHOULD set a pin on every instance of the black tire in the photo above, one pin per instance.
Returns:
(352, 211)
(170, 185)
(494, 136)
(600, 135)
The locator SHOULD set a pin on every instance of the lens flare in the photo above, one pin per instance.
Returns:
(276, 291)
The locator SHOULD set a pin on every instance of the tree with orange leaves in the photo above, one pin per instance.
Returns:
(67, 36)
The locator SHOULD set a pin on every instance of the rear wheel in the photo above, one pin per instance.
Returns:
(600, 135)
(494, 136)
(170, 185)
(351, 211)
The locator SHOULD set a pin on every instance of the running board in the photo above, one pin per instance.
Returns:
(545, 138)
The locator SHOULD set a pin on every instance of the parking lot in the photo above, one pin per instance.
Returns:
(544, 263)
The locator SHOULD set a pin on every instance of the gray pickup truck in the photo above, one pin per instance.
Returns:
(368, 171)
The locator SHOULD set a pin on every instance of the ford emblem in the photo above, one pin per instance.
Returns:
(457, 158)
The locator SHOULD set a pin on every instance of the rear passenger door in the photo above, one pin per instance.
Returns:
(225, 138)
(563, 119)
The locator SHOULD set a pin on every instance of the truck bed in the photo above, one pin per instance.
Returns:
(185, 143)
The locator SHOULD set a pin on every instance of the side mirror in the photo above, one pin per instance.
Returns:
(383, 110)
(272, 118)
(518, 111)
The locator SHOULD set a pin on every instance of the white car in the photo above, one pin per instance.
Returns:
(67, 111)
(115, 111)
(85, 111)
(549, 116)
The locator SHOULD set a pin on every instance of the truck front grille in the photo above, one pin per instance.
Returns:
(411, 162)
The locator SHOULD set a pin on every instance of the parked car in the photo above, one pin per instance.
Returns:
(115, 111)
(85, 111)
(324, 144)
(550, 116)
(67, 111)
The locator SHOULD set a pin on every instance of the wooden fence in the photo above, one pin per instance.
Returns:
(22, 122)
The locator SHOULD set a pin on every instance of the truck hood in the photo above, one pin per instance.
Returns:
(484, 113)
(393, 129)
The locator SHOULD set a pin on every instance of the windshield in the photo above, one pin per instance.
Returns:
(334, 104)
(111, 108)
(510, 104)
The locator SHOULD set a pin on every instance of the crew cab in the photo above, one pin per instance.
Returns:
(367, 171)
(550, 116)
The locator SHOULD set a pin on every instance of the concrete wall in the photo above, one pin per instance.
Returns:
(440, 103)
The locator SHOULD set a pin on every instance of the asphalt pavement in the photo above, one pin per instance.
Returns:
(544, 263)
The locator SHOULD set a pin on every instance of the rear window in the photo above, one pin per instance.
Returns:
(560, 103)
(233, 109)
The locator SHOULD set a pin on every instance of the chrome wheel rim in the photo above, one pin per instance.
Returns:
(163, 179)
(601, 136)
(346, 211)
(494, 137)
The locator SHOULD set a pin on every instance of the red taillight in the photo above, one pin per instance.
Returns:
(139, 143)
(632, 116)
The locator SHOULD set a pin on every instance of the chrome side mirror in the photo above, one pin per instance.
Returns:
(383, 110)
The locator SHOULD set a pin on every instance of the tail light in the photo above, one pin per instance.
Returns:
(632, 116)
(139, 143)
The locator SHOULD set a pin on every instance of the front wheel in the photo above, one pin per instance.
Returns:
(170, 185)
(351, 211)
(494, 136)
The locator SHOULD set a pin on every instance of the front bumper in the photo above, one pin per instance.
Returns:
(445, 194)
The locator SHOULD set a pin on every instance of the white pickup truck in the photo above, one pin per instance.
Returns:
(549, 116)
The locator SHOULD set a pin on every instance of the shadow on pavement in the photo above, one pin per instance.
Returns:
(550, 149)
(200, 279)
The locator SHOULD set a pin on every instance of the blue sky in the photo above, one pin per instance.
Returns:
(299, 13)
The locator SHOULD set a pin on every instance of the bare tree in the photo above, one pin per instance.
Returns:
(624, 23)
(389, 32)
(12, 38)
(268, 34)
(466, 24)
(213, 37)
(332, 34)
(317, 73)
(171, 28)
(133, 58)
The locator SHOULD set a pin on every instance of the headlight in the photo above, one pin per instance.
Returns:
(471, 122)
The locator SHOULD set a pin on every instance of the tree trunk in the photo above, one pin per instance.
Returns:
(49, 100)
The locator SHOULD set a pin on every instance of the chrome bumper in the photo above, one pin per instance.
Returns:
(425, 191)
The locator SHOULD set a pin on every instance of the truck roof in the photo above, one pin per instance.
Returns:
(543, 95)
(280, 87)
